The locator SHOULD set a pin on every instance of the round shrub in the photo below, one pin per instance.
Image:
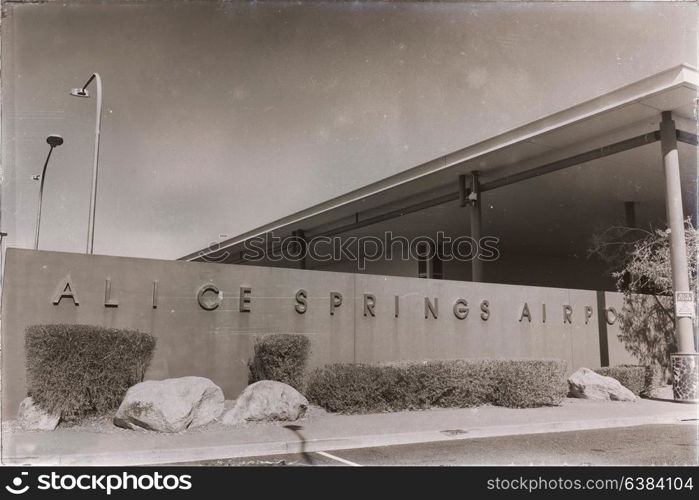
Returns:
(80, 370)
(639, 379)
(280, 357)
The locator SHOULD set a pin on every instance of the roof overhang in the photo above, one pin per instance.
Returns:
(628, 112)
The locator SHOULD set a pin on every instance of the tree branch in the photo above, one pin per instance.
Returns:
(664, 309)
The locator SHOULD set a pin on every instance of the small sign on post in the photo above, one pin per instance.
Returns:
(684, 305)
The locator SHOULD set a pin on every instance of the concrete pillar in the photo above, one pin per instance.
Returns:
(475, 216)
(675, 219)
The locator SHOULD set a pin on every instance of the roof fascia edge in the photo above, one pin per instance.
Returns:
(676, 76)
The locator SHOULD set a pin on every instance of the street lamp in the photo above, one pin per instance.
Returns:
(2, 268)
(53, 141)
(82, 92)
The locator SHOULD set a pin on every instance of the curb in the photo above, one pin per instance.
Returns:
(253, 449)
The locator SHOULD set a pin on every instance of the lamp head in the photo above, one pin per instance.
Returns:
(54, 140)
(81, 92)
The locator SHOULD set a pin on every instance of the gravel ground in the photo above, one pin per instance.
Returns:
(104, 425)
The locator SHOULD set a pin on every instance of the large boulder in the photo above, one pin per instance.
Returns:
(33, 418)
(170, 405)
(587, 384)
(267, 400)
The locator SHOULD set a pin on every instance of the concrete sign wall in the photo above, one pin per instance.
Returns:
(206, 316)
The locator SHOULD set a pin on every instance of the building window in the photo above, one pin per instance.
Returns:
(437, 260)
(429, 262)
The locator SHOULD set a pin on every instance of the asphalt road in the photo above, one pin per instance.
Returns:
(674, 444)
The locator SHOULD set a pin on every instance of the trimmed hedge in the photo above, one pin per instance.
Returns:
(529, 384)
(81, 370)
(280, 357)
(362, 388)
(639, 379)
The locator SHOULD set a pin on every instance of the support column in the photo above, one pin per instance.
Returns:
(684, 361)
(675, 220)
(475, 216)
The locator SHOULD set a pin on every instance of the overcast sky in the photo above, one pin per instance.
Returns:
(219, 118)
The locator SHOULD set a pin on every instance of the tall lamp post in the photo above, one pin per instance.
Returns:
(53, 141)
(2, 268)
(82, 92)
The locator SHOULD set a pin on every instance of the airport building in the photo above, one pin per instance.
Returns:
(540, 192)
(526, 203)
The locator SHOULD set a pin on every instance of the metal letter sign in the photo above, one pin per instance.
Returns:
(684, 304)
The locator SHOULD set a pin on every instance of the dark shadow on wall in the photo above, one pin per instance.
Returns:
(647, 329)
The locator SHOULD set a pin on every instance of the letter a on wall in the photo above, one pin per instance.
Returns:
(66, 291)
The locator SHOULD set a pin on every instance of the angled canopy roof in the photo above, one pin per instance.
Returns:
(631, 112)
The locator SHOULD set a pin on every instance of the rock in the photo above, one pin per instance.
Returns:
(170, 405)
(33, 418)
(267, 400)
(587, 384)
(664, 392)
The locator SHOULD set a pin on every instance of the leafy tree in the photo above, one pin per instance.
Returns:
(639, 261)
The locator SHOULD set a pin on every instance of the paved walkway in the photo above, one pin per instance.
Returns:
(328, 432)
